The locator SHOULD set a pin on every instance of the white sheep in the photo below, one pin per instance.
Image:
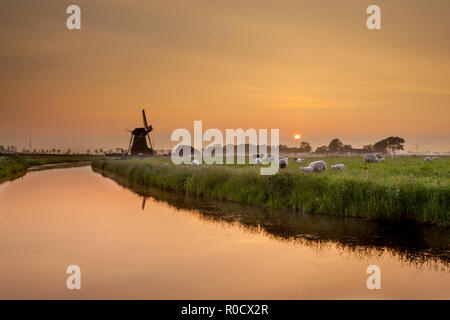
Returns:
(318, 166)
(315, 166)
(195, 163)
(307, 169)
(299, 160)
(283, 162)
(427, 159)
(339, 166)
(258, 161)
(369, 157)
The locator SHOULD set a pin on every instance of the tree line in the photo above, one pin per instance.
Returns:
(388, 145)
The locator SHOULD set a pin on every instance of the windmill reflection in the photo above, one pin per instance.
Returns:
(144, 199)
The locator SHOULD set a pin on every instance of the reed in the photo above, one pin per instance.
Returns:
(14, 166)
(397, 189)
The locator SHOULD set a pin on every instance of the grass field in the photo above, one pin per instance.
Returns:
(397, 189)
(13, 166)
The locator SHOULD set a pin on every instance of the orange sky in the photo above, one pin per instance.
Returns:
(301, 66)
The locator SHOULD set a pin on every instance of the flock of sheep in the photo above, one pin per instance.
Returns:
(315, 166)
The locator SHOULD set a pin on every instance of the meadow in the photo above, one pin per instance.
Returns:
(401, 188)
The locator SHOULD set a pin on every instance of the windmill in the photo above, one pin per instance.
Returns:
(138, 140)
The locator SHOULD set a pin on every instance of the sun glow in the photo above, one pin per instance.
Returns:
(297, 136)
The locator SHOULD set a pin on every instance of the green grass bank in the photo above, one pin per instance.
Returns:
(15, 166)
(397, 189)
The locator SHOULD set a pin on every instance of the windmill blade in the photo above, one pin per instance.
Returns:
(129, 145)
(145, 120)
(150, 142)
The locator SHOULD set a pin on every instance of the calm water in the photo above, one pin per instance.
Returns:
(155, 245)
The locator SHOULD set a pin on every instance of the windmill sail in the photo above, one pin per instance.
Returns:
(145, 119)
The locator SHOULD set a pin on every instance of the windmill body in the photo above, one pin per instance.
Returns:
(138, 141)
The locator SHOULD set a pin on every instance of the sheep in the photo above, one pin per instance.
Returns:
(258, 161)
(282, 163)
(307, 169)
(427, 159)
(195, 163)
(315, 166)
(299, 160)
(338, 167)
(318, 166)
(257, 155)
(369, 157)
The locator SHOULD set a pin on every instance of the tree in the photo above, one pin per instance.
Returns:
(11, 149)
(391, 144)
(395, 144)
(2, 148)
(346, 148)
(380, 146)
(88, 151)
(368, 147)
(322, 149)
(335, 145)
(305, 147)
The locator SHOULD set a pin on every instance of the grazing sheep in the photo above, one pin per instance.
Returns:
(258, 161)
(338, 167)
(307, 169)
(299, 160)
(427, 159)
(282, 163)
(318, 166)
(195, 163)
(258, 155)
(369, 157)
(315, 166)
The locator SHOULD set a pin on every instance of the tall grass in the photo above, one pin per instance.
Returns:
(396, 190)
(13, 166)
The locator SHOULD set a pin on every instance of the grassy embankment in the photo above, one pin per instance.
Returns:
(15, 166)
(397, 189)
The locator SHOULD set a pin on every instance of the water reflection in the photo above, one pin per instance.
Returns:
(187, 248)
(144, 198)
(406, 242)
